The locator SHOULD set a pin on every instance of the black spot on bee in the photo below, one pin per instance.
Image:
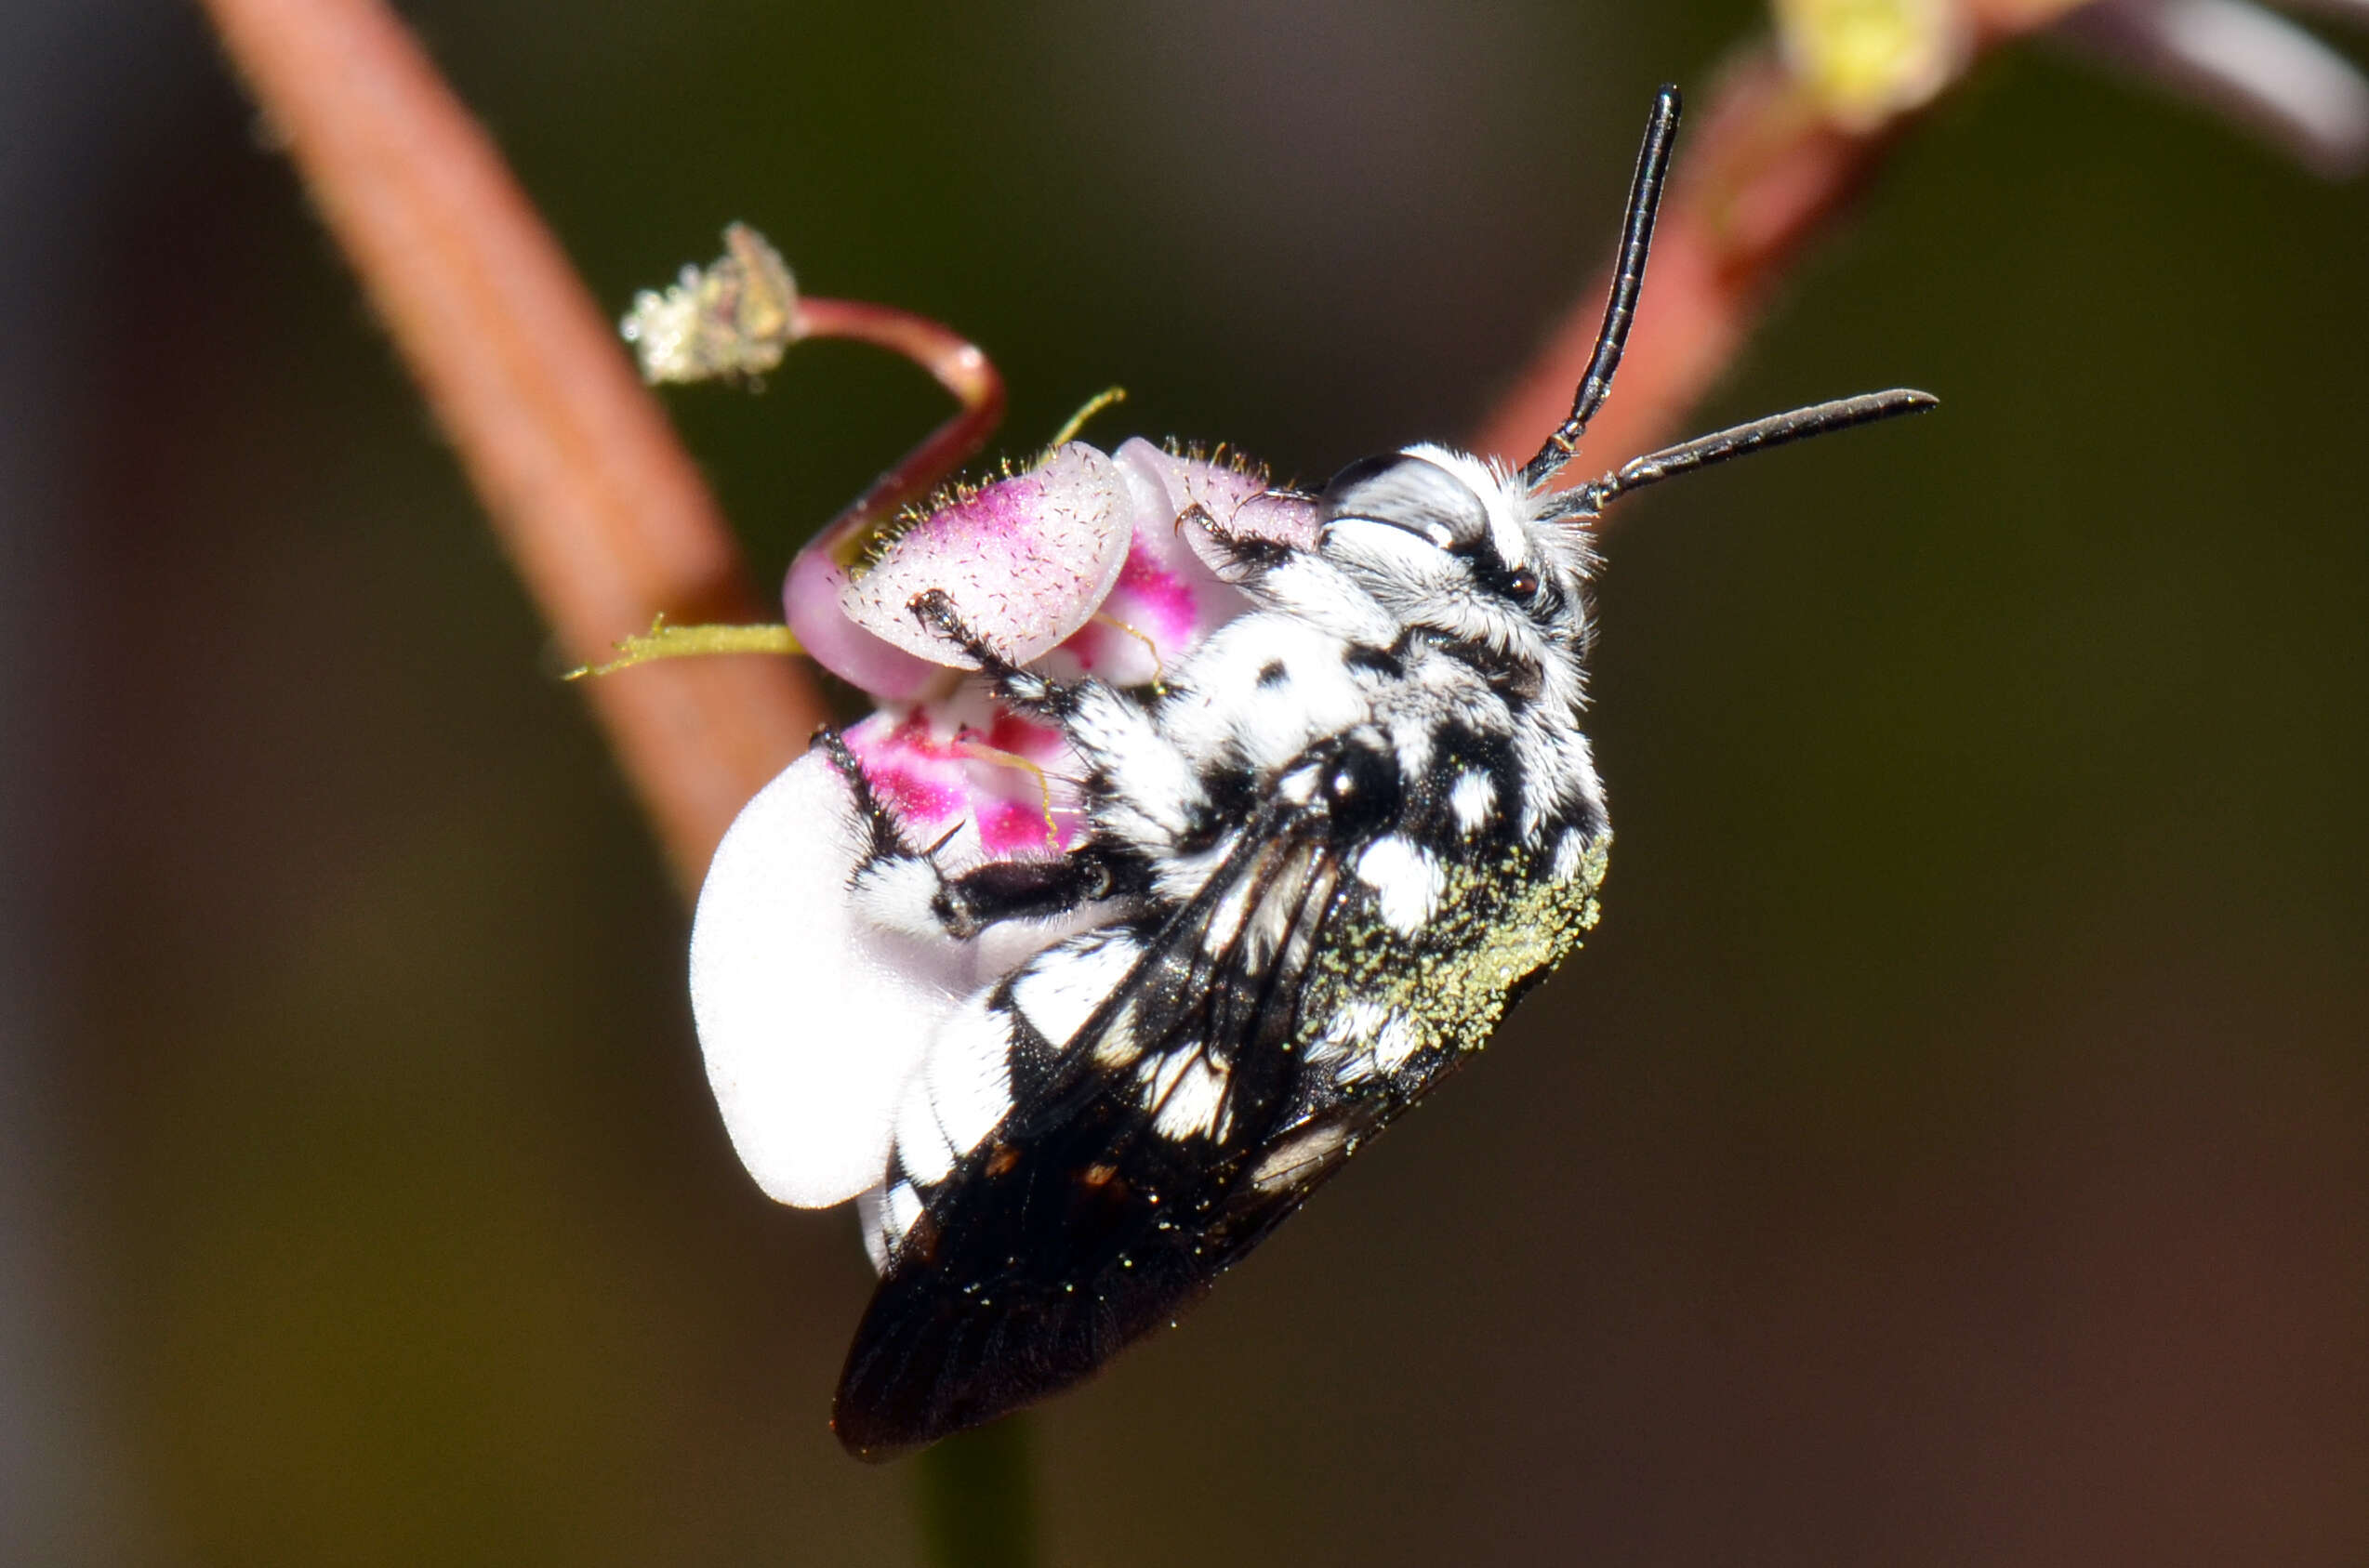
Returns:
(1361, 791)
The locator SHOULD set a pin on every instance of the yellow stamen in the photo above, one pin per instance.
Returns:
(986, 753)
(1096, 404)
(1160, 670)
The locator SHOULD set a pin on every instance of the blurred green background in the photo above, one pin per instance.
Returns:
(1953, 1147)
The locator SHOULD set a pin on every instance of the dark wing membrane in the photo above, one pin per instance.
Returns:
(1155, 1157)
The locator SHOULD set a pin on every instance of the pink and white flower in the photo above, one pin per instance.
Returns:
(812, 1019)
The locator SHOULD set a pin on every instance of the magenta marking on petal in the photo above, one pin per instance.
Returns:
(1090, 645)
(1005, 510)
(1007, 827)
(1022, 737)
(1003, 782)
(1160, 595)
(882, 735)
(919, 801)
(914, 773)
(919, 738)
(938, 764)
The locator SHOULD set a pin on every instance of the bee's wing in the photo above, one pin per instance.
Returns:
(1175, 1131)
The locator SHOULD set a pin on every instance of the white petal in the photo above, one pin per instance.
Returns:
(811, 1022)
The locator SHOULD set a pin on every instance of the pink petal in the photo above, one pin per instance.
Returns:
(1166, 598)
(1238, 503)
(811, 605)
(1026, 559)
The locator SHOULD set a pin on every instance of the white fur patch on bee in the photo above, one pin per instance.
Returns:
(898, 894)
(923, 1150)
(1193, 1105)
(1474, 799)
(968, 1077)
(871, 1217)
(1060, 988)
(1116, 1045)
(1183, 1091)
(1406, 880)
(1569, 849)
(1364, 1039)
(899, 1210)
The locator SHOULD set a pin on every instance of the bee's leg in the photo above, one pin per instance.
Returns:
(1248, 558)
(885, 837)
(902, 886)
(1022, 890)
(910, 893)
(1022, 689)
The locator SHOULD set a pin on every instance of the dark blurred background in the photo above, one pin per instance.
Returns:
(1953, 1148)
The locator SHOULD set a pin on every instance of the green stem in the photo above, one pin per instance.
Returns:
(976, 1498)
(662, 642)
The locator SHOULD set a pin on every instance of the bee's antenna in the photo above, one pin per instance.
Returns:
(1589, 499)
(1628, 276)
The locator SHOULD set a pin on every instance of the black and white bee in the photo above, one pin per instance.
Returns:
(1320, 858)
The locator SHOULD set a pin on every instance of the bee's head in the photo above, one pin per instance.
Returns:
(1450, 544)
(1495, 559)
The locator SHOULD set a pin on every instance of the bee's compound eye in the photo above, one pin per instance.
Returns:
(1361, 789)
(1522, 582)
(1411, 493)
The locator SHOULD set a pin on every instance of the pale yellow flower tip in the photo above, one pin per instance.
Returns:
(1867, 60)
(733, 320)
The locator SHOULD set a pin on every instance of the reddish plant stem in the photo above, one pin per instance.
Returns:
(600, 509)
(1758, 175)
(960, 366)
